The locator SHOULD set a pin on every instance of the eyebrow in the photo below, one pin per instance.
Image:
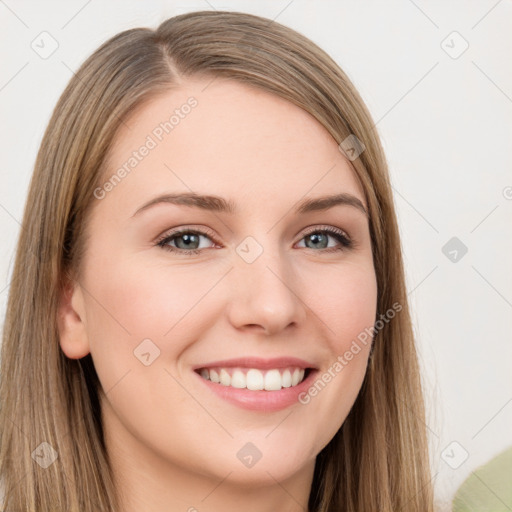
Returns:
(219, 204)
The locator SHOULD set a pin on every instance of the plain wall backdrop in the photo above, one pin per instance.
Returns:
(437, 79)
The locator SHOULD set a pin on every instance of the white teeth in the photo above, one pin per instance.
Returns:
(295, 377)
(238, 380)
(254, 379)
(214, 376)
(225, 378)
(273, 380)
(287, 379)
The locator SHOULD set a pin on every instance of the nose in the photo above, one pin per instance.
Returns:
(266, 296)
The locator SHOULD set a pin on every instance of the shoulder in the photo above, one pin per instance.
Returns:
(487, 488)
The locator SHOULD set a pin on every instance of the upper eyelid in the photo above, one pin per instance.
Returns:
(178, 231)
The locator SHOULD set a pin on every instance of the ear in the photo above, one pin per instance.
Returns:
(71, 320)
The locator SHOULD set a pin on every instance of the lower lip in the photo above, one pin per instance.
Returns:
(265, 401)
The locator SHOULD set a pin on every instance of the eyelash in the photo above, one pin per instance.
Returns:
(338, 234)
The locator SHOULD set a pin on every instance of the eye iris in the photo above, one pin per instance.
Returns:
(316, 237)
(188, 238)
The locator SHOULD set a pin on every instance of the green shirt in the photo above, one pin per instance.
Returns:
(488, 488)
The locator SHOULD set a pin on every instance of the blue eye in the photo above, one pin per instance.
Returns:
(189, 238)
(318, 235)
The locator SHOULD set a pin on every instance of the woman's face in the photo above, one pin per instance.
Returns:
(270, 296)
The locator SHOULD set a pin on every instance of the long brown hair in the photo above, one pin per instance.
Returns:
(378, 460)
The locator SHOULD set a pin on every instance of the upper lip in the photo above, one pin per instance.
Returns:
(258, 363)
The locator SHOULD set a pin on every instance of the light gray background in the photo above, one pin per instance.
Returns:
(445, 122)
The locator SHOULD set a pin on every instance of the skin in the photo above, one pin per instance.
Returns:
(172, 442)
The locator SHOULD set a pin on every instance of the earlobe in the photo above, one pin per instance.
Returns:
(70, 321)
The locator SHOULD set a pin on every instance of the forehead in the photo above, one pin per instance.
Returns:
(229, 139)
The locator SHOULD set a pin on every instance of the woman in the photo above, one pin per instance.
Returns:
(258, 369)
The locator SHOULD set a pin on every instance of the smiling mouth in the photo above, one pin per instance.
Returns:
(254, 379)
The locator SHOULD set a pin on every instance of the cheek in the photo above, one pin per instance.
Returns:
(346, 303)
(351, 314)
(140, 319)
(147, 300)
(347, 308)
(135, 308)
